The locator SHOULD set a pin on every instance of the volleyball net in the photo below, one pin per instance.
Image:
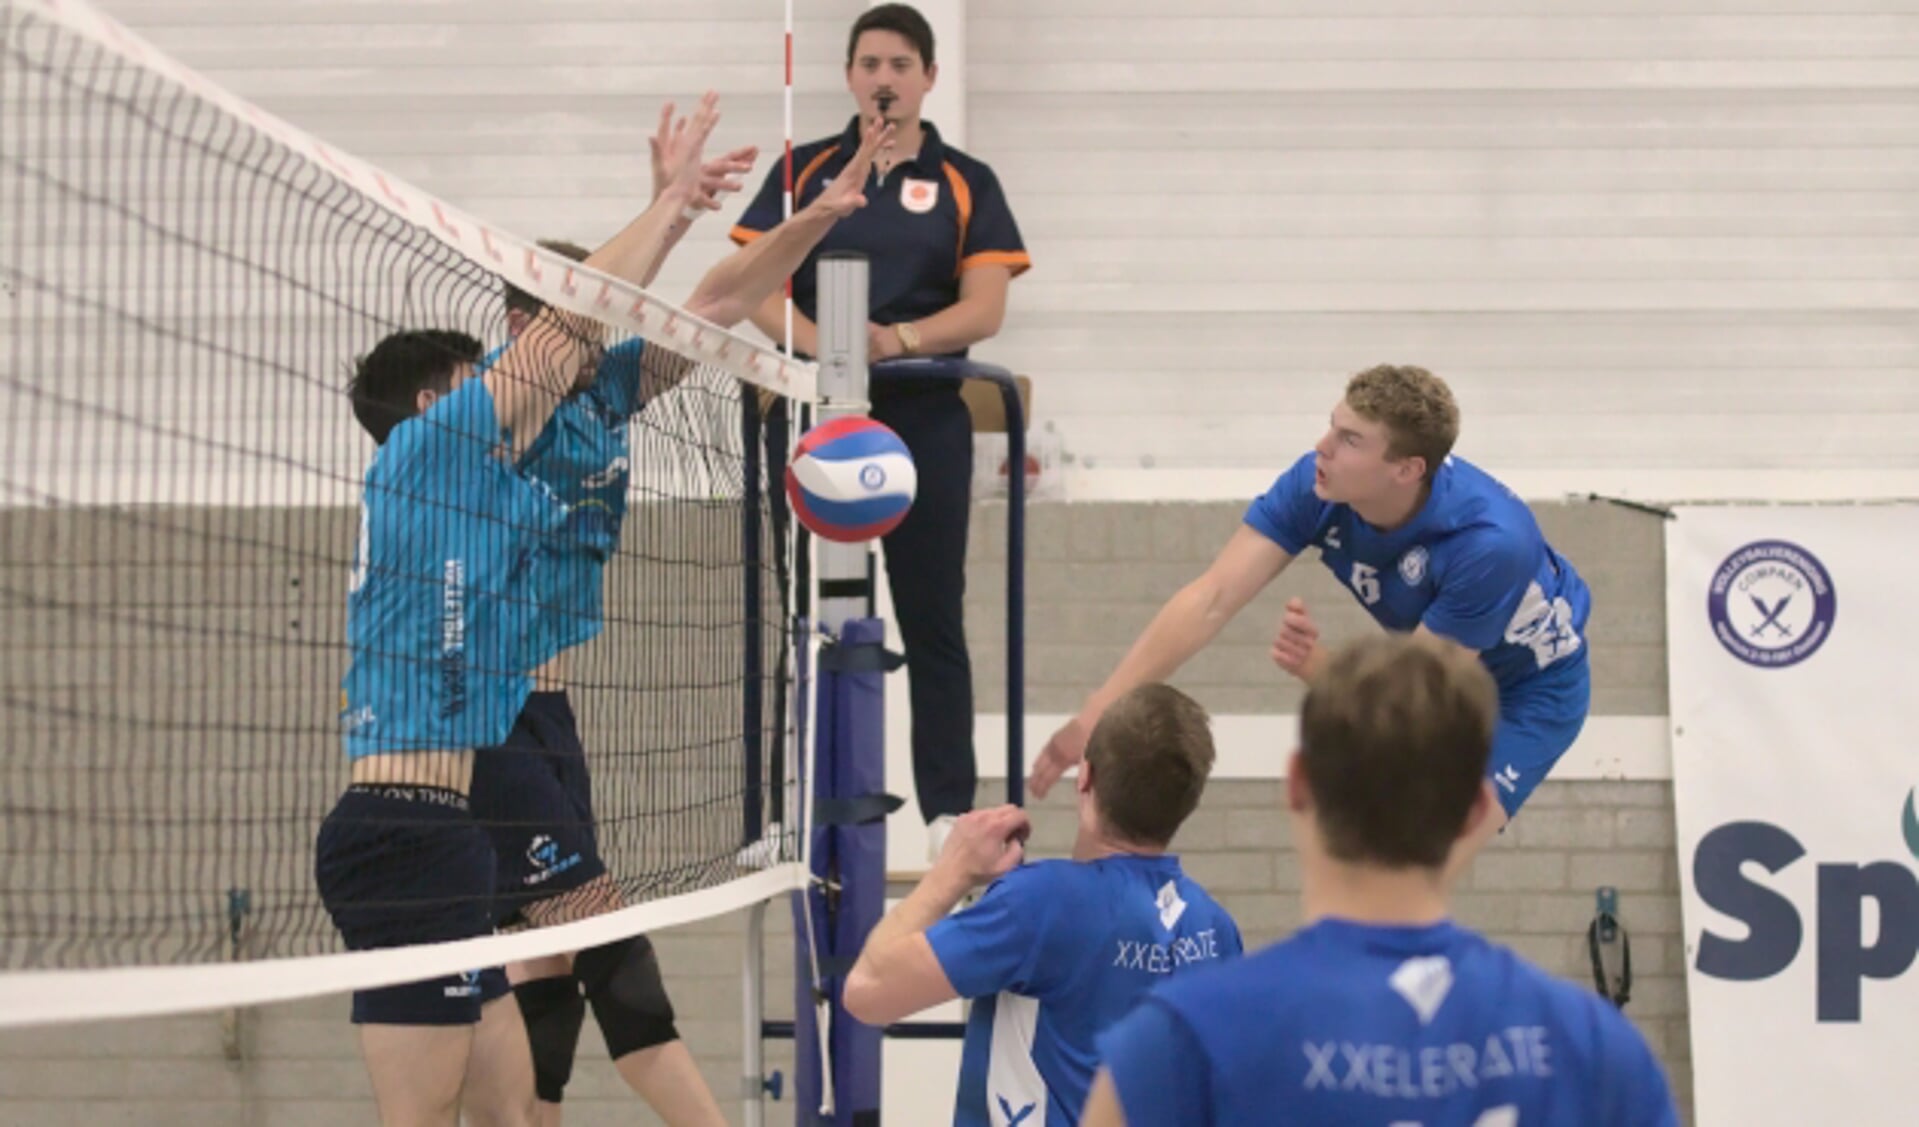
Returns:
(188, 284)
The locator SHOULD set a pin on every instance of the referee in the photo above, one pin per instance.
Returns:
(943, 249)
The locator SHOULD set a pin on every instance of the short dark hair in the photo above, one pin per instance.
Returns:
(517, 298)
(903, 19)
(387, 382)
(1150, 754)
(1394, 739)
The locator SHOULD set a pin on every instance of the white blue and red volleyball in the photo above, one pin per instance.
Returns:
(851, 479)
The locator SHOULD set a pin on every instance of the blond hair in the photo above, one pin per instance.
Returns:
(1416, 407)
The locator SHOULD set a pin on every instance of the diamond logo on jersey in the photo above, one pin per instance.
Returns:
(1171, 907)
(1424, 983)
(919, 196)
(1412, 566)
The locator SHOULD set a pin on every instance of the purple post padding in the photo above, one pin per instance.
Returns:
(849, 762)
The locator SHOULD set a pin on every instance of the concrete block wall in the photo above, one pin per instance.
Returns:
(1532, 891)
(299, 1063)
(1096, 573)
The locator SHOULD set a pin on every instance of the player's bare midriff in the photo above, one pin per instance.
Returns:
(448, 770)
(551, 677)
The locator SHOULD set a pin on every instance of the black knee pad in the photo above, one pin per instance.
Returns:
(622, 980)
(553, 1011)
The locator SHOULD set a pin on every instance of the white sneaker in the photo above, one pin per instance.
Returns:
(937, 831)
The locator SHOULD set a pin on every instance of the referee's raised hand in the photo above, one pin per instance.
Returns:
(986, 844)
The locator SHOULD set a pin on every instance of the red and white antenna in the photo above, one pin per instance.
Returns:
(786, 197)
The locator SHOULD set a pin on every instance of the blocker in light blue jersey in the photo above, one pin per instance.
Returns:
(1055, 952)
(1473, 566)
(583, 457)
(1346, 1025)
(438, 622)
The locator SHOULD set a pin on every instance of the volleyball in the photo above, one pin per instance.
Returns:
(851, 479)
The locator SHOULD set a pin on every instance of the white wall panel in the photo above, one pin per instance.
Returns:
(1671, 241)
(1676, 240)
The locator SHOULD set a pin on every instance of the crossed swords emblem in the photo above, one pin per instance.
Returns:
(1771, 616)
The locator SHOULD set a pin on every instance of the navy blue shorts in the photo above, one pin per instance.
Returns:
(533, 797)
(400, 865)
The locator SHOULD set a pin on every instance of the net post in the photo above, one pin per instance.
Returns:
(1015, 594)
(843, 383)
(837, 1060)
(753, 656)
(753, 998)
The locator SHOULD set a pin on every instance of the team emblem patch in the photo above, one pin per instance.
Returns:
(1412, 566)
(919, 196)
(1170, 906)
(1771, 604)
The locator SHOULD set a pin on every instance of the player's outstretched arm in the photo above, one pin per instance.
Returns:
(769, 317)
(1190, 619)
(672, 154)
(635, 254)
(741, 281)
(559, 351)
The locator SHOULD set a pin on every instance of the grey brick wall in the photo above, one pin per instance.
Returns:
(1532, 891)
(1096, 574)
(299, 1064)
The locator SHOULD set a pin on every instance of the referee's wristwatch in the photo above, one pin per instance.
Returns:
(909, 337)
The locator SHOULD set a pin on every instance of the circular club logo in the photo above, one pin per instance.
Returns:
(1771, 604)
(872, 476)
(1412, 566)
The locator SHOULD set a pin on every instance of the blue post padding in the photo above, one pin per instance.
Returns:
(849, 762)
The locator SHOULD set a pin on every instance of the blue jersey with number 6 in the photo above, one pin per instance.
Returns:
(1472, 565)
(1353, 1025)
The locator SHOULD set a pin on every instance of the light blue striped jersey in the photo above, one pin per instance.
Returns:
(438, 618)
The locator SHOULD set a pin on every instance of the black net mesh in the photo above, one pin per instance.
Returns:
(185, 297)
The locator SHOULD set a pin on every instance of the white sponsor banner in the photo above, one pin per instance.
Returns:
(1795, 752)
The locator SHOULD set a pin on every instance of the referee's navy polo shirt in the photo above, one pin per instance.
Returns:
(933, 218)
